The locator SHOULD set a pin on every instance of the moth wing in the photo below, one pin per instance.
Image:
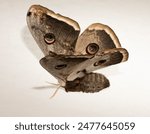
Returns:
(107, 58)
(91, 82)
(52, 32)
(61, 66)
(96, 38)
(100, 60)
(68, 68)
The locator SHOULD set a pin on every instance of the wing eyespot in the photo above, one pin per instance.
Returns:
(29, 13)
(61, 66)
(92, 48)
(99, 62)
(49, 38)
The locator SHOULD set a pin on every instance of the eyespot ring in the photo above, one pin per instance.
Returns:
(61, 66)
(92, 48)
(98, 63)
(29, 13)
(49, 38)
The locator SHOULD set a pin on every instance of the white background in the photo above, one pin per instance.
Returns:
(23, 87)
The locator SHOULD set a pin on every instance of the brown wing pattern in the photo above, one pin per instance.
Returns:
(99, 34)
(72, 58)
(51, 31)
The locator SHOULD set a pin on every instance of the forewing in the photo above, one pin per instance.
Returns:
(52, 32)
(96, 38)
(61, 66)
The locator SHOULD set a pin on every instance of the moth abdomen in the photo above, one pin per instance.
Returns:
(90, 83)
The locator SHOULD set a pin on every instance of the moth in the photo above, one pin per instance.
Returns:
(71, 58)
